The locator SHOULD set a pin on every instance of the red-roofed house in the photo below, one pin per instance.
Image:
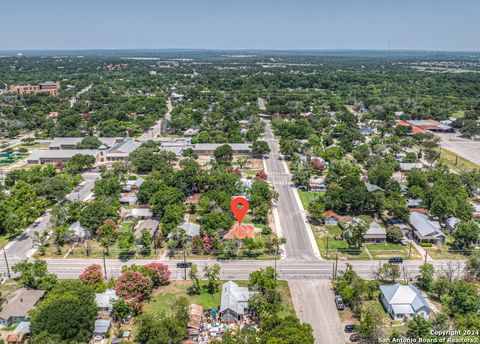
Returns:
(331, 218)
(240, 232)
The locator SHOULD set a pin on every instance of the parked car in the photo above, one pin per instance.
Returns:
(404, 242)
(183, 265)
(395, 260)
(355, 337)
(302, 187)
(339, 303)
(349, 328)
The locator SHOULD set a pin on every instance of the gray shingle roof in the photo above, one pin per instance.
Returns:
(191, 229)
(22, 301)
(105, 299)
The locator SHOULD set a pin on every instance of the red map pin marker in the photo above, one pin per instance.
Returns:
(239, 212)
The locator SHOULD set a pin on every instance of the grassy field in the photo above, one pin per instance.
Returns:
(308, 196)
(344, 250)
(164, 297)
(445, 251)
(456, 162)
(370, 251)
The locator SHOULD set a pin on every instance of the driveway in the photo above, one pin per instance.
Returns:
(314, 304)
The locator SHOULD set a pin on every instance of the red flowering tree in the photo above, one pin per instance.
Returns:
(207, 243)
(160, 271)
(92, 275)
(133, 287)
(261, 175)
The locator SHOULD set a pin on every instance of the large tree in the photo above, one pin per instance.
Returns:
(68, 311)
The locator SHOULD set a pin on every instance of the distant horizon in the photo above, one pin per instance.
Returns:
(379, 25)
(245, 50)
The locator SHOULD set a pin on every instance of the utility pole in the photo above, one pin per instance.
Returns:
(426, 254)
(6, 263)
(184, 264)
(327, 246)
(410, 250)
(105, 265)
(336, 265)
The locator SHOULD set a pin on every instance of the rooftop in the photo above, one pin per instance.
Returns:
(240, 232)
(22, 301)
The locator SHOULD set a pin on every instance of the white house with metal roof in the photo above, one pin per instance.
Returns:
(234, 302)
(404, 301)
(104, 301)
(425, 229)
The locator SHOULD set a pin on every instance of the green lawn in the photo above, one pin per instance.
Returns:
(341, 246)
(456, 162)
(459, 114)
(445, 251)
(164, 297)
(388, 250)
(308, 196)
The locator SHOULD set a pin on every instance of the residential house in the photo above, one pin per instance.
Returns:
(234, 302)
(77, 231)
(240, 232)
(104, 301)
(451, 224)
(20, 334)
(139, 213)
(476, 211)
(407, 166)
(404, 301)
(15, 309)
(101, 327)
(191, 132)
(373, 188)
(414, 203)
(318, 185)
(150, 225)
(425, 229)
(319, 163)
(132, 185)
(331, 218)
(128, 198)
(366, 131)
(375, 234)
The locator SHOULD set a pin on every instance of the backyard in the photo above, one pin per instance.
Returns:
(308, 196)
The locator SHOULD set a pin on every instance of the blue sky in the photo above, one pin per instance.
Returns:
(240, 24)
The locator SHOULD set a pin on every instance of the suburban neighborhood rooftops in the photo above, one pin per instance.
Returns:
(240, 232)
(22, 301)
(139, 212)
(405, 299)
(407, 166)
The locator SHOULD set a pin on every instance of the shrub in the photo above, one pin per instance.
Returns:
(426, 244)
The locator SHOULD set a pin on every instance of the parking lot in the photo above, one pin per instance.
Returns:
(466, 148)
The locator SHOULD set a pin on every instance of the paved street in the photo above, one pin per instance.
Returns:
(156, 129)
(293, 225)
(237, 269)
(314, 302)
(23, 245)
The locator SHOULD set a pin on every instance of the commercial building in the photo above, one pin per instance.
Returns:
(52, 156)
(45, 87)
(72, 142)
